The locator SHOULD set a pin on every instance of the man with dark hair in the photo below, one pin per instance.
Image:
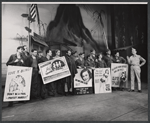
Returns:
(16, 60)
(50, 86)
(33, 62)
(59, 84)
(42, 87)
(80, 63)
(118, 58)
(25, 55)
(135, 69)
(73, 71)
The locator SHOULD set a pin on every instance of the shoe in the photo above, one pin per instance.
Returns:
(139, 91)
(131, 90)
(43, 97)
(66, 93)
(10, 104)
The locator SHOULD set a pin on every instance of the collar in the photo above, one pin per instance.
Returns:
(134, 55)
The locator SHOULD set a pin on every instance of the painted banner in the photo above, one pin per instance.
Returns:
(102, 80)
(53, 70)
(83, 82)
(18, 83)
(117, 72)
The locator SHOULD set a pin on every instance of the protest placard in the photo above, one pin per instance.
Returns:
(102, 80)
(83, 82)
(18, 83)
(117, 71)
(54, 69)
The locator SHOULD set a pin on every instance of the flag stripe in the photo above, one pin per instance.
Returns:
(32, 11)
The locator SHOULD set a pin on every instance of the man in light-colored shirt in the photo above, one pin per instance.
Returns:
(136, 61)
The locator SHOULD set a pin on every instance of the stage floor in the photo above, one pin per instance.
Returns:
(115, 106)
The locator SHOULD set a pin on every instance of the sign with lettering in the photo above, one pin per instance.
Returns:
(54, 69)
(83, 82)
(18, 83)
(102, 80)
(118, 72)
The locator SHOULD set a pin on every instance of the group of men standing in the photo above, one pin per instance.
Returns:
(65, 86)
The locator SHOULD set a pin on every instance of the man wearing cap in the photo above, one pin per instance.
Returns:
(136, 61)
(118, 58)
(16, 60)
(108, 58)
(80, 63)
(75, 55)
(89, 62)
(93, 55)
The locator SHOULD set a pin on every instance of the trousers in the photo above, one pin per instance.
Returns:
(135, 72)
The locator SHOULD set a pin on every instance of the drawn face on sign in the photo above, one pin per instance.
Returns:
(17, 84)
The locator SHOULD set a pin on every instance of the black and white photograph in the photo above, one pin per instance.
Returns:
(74, 61)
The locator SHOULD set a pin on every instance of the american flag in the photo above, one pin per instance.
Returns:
(32, 11)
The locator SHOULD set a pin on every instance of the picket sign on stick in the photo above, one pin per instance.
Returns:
(54, 69)
(18, 83)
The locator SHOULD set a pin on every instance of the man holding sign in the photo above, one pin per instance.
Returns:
(16, 60)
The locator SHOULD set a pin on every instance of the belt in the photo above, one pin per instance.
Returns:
(134, 65)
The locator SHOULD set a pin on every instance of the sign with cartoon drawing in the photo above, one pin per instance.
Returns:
(54, 69)
(102, 80)
(18, 83)
(119, 72)
(83, 82)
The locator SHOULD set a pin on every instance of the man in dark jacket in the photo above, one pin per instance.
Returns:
(73, 71)
(33, 62)
(16, 60)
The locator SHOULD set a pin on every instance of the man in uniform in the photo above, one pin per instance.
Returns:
(73, 70)
(108, 58)
(119, 59)
(135, 69)
(80, 62)
(89, 62)
(93, 55)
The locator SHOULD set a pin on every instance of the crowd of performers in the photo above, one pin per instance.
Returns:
(75, 61)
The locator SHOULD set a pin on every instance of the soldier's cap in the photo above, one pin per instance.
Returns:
(74, 52)
(107, 50)
(81, 54)
(20, 47)
(40, 51)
